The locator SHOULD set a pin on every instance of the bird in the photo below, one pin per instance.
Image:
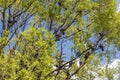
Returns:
(78, 53)
(67, 73)
(57, 36)
(101, 34)
(12, 21)
(62, 31)
(101, 47)
(59, 3)
(87, 55)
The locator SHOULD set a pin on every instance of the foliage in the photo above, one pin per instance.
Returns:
(31, 59)
(37, 35)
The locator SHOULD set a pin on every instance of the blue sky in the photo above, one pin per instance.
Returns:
(118, 1)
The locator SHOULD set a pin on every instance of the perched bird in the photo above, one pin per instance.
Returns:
(56, 65)
(92, 48)
(78, 53)
(36, 55)
(87, 55)
(101, 34)
(59, 3)
(62, 31)
(12, 21)
(80, 63)
(67, 73)
(101, 47)
(57, 37)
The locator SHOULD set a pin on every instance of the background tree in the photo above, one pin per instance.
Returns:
(56, 33)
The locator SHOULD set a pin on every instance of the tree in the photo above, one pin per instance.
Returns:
(34, 34)
(32, 57)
